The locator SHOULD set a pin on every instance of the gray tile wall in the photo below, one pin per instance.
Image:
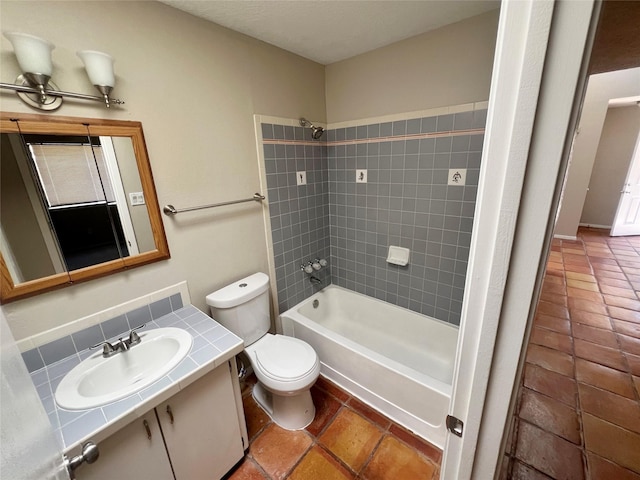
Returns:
(299, 214)
(406, 202)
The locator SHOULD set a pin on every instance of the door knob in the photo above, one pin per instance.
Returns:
(89, 454)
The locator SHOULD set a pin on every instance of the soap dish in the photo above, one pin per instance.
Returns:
(398, 255)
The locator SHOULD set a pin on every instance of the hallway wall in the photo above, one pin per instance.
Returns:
(602, 87)
(617, 143)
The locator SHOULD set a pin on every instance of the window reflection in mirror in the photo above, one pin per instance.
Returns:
(74, 198)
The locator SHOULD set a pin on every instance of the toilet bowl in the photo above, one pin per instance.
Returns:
(286, 367)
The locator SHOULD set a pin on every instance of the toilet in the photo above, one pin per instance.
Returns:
(286, 367)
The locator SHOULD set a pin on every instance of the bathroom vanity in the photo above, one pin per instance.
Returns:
(201, 431)
(187, 425)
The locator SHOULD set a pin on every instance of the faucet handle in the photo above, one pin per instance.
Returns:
(134, 338)
(107, 348)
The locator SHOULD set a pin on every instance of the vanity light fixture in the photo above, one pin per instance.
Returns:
(35, 87)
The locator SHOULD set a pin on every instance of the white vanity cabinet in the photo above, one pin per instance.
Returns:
(131, 453)
(195, 435)
(201, 428)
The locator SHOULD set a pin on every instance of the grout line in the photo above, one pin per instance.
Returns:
(583, 445)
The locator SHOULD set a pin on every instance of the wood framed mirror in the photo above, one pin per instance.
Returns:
(77, 202)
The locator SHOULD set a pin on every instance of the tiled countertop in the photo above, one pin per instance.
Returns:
(212, 346)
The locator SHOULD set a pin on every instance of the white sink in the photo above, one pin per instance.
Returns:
(97, 380)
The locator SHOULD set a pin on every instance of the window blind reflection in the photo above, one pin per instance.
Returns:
(69, 175)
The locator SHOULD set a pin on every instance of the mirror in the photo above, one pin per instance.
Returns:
(77, 201)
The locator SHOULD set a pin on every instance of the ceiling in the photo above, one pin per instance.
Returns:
(617, 43)
(327, 31)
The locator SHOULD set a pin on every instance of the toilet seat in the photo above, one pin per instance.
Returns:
(284, 363)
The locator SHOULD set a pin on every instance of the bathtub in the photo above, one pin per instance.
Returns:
(397, 361)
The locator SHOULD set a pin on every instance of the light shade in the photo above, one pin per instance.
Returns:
(99, 67)
(33, 53)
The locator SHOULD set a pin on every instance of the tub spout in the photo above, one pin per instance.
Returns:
(315, 280)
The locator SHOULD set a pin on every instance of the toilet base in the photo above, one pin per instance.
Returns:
(291, 412)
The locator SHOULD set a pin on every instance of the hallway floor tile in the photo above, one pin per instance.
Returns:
(578, 412)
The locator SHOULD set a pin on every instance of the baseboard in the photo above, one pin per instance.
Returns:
(591, 225)
(565, 237)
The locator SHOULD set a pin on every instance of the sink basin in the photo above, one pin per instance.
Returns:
(97, 380)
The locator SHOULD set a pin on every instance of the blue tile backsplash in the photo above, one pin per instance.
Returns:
(406, 202)
(111, 329)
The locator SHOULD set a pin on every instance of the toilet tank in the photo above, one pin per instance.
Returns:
(243, 307)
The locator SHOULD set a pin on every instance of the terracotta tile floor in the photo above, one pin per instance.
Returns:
(347, 440)
(578, 413)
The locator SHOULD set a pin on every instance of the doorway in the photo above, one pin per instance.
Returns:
(578, 399)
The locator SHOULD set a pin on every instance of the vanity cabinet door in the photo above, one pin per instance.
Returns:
(201, 427)
(130, 454)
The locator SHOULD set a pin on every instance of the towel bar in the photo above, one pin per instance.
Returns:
(171, 210)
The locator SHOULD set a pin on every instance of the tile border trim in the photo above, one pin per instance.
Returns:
(394, 138)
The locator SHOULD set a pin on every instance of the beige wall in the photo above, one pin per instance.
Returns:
(195, 87)
(448, 66)
(618, 140)
(602, 87)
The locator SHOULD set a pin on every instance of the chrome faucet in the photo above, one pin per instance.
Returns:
(122, 345)
(315, 280)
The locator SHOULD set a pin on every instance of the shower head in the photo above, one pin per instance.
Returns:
(316, 132)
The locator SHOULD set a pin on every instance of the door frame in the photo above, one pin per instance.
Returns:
(538, 72)
(113, 170)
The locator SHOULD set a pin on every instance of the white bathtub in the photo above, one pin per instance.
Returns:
(393, 359)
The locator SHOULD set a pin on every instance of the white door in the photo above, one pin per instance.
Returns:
(627, 219)
(29, 447)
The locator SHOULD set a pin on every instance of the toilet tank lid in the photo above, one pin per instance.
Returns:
(240, 291)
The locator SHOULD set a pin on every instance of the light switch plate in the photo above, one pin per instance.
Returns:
(361, 176)
(136, 198)
(457, 176)
(301, 178)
